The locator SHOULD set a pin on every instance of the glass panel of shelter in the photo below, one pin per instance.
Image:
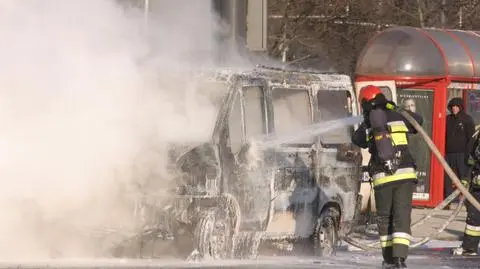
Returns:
(420, 101)
(470, 39)
(387, 92)
(459, 62)
(473, 105)
(472, 100)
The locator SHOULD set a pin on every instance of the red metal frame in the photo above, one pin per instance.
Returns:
(415, 80)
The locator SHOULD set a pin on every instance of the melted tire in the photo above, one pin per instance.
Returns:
(213, 235)
(325, 240)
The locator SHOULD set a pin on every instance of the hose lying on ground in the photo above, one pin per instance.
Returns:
(422, 241)
(445, 225)
(432, 212)
(439, 207)
(451, 174)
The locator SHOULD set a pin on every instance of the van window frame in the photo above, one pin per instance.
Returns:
(223, 122)
(311, 119)
(263, 117)
(324, 143)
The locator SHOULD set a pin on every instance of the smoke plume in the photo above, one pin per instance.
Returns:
(89, 100)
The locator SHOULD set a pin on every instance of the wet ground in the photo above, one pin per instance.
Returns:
(424, 258)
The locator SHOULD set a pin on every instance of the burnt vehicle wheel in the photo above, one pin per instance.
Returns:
(214, 235)
(326, 233)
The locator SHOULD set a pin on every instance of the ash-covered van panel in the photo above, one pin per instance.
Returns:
(231, 192)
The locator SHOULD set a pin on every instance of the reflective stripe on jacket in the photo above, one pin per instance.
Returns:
(400, 174)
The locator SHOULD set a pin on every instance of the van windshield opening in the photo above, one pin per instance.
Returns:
(211, 93)
(202, 103)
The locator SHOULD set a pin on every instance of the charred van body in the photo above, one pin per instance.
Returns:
(232, 195)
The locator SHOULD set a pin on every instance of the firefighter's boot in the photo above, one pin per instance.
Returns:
(399, 262)
(387, 265)
(460, 251)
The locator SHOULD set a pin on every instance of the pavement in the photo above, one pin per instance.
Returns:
(454, 230)
(421, 259)
(434, 254)
(449, 238)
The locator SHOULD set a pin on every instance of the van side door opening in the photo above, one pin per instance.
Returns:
(294, 188)
(247, 181)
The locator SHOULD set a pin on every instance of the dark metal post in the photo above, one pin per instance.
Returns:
(232, 14)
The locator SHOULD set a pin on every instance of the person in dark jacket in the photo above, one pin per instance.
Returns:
(392, 169)
(459, 132)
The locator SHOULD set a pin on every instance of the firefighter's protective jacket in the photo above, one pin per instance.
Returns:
(472, 228)
(399, 129)
(473, 160)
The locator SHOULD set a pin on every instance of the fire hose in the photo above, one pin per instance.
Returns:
(455, 180)
(426, 239)
(442, 161)
(432, 212)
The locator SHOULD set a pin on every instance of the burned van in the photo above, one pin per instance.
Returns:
(236, 191)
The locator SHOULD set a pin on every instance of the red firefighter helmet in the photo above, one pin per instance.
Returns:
(368, 93)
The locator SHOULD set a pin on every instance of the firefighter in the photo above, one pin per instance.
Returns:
(471, 235)
(392, 170)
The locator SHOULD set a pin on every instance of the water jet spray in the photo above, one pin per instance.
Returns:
(313, 130)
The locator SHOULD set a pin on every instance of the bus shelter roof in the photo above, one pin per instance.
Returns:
(410, 52)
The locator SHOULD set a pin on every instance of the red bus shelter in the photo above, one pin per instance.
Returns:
(421, 69)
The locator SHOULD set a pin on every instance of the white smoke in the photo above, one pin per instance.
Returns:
(89, 99)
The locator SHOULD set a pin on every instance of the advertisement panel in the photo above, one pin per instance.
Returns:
(421, 102)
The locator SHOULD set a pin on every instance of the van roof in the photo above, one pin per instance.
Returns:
(279, 76)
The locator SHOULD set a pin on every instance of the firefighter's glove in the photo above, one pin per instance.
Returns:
(464, 182)
(476, 181)
(391, 105)
(471, 161)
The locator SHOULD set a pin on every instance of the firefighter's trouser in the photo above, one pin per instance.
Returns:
(394, 208)
(471, 237)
